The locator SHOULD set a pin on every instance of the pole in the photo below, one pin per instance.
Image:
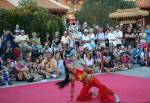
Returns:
(147, 54)
(66, 1)
(102, 59)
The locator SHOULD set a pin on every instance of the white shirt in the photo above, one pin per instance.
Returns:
(100, 36)
(92, 38)
(118, 35)
(85, 38)
(20, 38)
(77, 35)
(111, 38)
(65, 40)
(89, 62)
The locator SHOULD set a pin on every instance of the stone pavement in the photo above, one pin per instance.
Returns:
(137, 71)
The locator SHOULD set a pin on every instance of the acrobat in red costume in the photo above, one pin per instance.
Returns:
(105, 94)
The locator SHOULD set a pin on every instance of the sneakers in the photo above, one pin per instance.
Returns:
(53, 76)
(117, 98)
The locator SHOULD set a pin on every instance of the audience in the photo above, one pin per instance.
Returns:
(29, 59)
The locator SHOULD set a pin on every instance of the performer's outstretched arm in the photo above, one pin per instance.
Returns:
(72, 87)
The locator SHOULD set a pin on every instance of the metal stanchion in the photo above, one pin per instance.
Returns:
(102, 59)
(147, 54)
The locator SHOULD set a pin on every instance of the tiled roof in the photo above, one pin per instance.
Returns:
(128, 13)
(52, 5)
(6, 5)
(143, 3)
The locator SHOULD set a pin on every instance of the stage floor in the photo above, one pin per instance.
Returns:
(130, 89)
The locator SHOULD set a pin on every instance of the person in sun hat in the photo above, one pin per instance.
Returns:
(49, 65)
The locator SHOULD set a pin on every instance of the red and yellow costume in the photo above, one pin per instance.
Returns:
(106, 95)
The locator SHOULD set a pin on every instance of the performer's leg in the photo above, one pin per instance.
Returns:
(84, 93)
(106, 95)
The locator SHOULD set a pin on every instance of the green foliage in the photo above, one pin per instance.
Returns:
(97, 11)
(31, 18)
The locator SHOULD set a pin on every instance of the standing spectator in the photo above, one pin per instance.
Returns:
(22, 39)
(100, 37)
(56, 45)
(92, 38)
(86, 40)
(143, 37)
(1, 47)
(111, 38)
(17, 30)
(130, 37)
(119, 36)
(7, 37)
(147, 31)
(65, 39)
(35, 38)
(8, 52)
(77, 36)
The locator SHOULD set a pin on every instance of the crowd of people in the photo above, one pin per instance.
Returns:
(27, 59)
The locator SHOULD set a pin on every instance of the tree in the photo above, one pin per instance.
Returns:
(97, 11)
(31, 18)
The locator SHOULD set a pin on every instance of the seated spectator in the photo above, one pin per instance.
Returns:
(118, 64)
(60, 64)
(89, 62)
(136, 54)
(126, 61)
(97, 61)
(16, 51)
(22, 71)
(49, 66)
(4, 74)
(10, 66)
(142, 60)
(34, 51)
(34, 70)
(108, 61)
(28, 61)
(80, 62)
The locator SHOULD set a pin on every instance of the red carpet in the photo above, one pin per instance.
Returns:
(130, 90)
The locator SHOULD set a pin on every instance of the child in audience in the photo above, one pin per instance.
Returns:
(22, 70)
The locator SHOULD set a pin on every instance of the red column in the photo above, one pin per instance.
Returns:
(147, 54)
(102, 59)
(66, 1)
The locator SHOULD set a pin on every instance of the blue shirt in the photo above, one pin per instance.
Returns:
(148, 35)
